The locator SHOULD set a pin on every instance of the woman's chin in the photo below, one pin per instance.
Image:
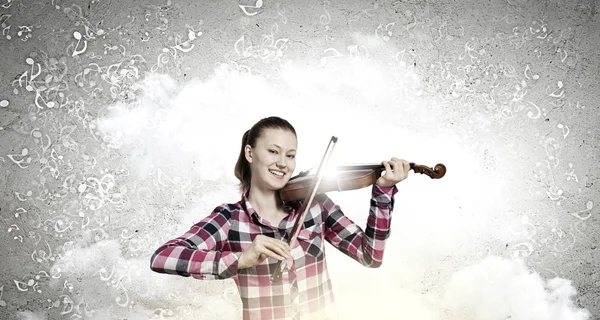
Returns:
(278, 185)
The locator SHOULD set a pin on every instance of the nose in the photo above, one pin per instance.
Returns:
(281, 162)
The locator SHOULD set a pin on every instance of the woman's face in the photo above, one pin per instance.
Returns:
(273, 159)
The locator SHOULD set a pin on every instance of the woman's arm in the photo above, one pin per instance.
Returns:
(199, 252)
(366, 246)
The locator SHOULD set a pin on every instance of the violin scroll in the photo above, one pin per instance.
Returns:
(436, 173)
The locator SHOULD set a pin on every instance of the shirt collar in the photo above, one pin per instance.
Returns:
(288, 206)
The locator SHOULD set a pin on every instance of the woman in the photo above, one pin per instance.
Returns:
(246, 239)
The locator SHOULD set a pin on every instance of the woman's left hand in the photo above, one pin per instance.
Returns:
(396, 170)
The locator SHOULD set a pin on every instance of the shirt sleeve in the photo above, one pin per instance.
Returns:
(366, 246)
(199, 252)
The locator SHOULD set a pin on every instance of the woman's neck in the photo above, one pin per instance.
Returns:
(265, 201)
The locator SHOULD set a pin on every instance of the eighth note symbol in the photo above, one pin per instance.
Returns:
(565, 130)
(336, 54)
(258, 5)
(535, 76)
(2, 302)
(554, 93)
(589, 206)
(77, 36)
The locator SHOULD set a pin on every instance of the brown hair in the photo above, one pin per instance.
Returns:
(242, 167)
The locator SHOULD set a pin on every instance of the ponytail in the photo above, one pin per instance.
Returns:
(242, 167)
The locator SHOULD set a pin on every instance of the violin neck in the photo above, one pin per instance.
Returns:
(373, 166)
(350, 167)
(367, 166)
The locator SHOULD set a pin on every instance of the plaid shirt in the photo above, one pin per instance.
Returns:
(212, 247)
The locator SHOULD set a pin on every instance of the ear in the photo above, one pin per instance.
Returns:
(248, 153)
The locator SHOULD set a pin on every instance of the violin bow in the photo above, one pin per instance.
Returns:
(305, 207)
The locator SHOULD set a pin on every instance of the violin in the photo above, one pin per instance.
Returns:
(348, 177)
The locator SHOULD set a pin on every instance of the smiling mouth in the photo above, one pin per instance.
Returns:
(276, 173)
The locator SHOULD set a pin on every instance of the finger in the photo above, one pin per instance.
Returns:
(281, 244)
(264, 239)
(279, 250)
(398, 169)
(396, 166)
(270, 253)
(406, 166)
(388, 169)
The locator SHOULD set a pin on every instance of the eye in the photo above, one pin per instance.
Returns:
(292, 156)
(273, 151)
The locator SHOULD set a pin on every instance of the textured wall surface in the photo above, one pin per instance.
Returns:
(120, 123)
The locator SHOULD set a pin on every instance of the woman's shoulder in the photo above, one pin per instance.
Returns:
(228, 209)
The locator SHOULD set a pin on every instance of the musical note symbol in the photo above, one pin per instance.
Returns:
(336, 54)
(388, 28)
(258, 5)
(554, 194)
(535, 76)
(2, 302)
(565, 130)
(560, 88)
(325, 19)
(23, 154)
(281, 12)
(15, 227)
(24, 30)
(20, 196)
(545, 33)
(379, 33)
(69, 304)
(245, 52)
(552, 147)
(7, 4)
(570, 173)
(20, 211)
(565, 52)
(31, 62)
(589, 206)
(38, 97)
(192, 34)
(161, 175)
(530, 114)
(85, 220)
(518, 88)
(77, 36)
(104, 273)
(5, 32)
(122, 302)
(521, 252)
(559, 232)
(89, 33)
(532, 30)
(401, 60)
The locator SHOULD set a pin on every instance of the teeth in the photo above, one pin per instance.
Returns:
(276, 172)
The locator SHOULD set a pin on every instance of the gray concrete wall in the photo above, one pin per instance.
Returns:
(120, 123)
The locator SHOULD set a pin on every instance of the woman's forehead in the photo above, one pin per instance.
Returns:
(283, 138)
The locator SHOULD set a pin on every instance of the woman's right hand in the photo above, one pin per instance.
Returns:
(261, 248)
